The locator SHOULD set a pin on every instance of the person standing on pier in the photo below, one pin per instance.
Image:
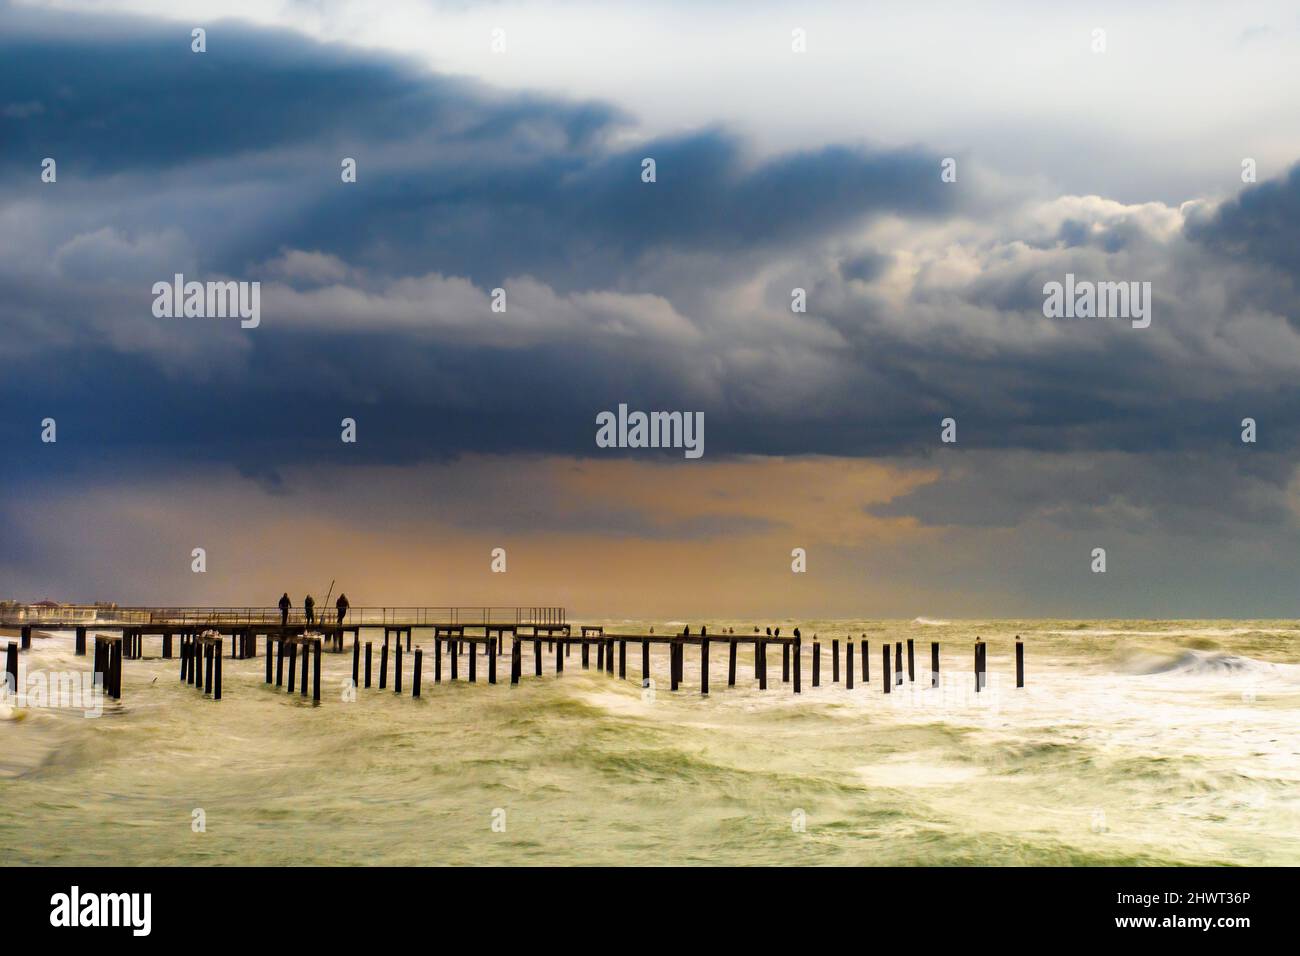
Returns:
(342, 605)
(285, 604)
(309, 608)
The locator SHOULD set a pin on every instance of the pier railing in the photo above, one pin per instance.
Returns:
(86, 614)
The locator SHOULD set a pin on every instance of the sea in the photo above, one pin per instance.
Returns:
(1131, 743)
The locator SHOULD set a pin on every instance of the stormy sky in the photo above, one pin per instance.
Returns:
(521, 170)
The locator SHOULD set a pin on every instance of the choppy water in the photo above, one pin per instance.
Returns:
(1134, 742)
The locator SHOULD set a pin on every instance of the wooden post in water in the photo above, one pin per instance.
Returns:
(473, 663)
(645, 664)
(978, 645)
(866, 663)
(11, 666)
(207, 667)
(453, 655)
(1020, 662)
(673, 649)
(785, 663)
(585, 654)
(934, 663)
(898, 663)
(704, 666)
(115, 652)
(600, 655)
(167, 646)
(516, 660)
(356, 663)
(492, 660)
(835, 660)
(81, 642)
(537, 657)
(731, 664)
(383, 666)
(415, 677)
(368, 650)
(25, 636)
(292, 654)
(884, 667)
(848, 664)
(559, 657)
(817, 663)
(622, 660)
(305, 652)
(397, 666)
(911, 662)
(798, 665)
(437, 658)
(216, 678)
(762, 666)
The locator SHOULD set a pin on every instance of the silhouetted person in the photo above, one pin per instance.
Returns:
(686, 631)
(309, 608)
(342, 605)
(778, 632)
(285, 604)
(769, 631)
(796, 633)
(652, 628)
(704, 630)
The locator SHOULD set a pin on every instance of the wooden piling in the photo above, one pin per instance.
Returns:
(81, 642)
(25, 634)
(600, 655)
(866, 664)
(516, 660)
(584, 655)
(798, 665)
(383, 666)
(492, 660)
(911, 662)
(762, 665)
(673, 650)
(898, 663)
(397, 666)
(356, 663)
(559, 657)
(978, 645)
(934, 663)
(645, 663)
(437, 658)
(1020, 662)
(622, 660)
(537, 657)
(785, 663)
(415, 676)
(305, 652)
(835, 660)
(290, 653)
(884, 667)
(817, 663)
(368, 650)
(115, 665)
(704, 666)
(11, 666)
(207, 668)
(454, 657)
(848, 665)
(473, 663)
(731, 664)
(216, 678)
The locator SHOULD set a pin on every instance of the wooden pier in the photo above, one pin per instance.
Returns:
(457, 633)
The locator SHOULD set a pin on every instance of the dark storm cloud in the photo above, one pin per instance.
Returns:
(672, 295)
(1260, 225)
